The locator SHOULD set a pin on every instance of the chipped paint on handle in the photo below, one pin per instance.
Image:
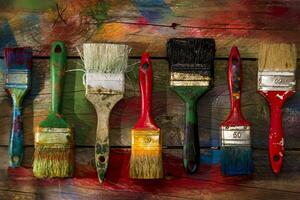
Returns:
(103, 104)
(16, 141)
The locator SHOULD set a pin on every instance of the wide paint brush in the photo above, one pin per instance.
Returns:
(105, 66)
(17, 76)
(146, 140)
(191, 63)
(276, 82)
(54, 139)
(236, 153)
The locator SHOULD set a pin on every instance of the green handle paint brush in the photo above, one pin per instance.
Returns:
(191, 63)
(54, 140)
(105, 65)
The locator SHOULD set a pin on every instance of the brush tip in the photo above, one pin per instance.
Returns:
(236, 161)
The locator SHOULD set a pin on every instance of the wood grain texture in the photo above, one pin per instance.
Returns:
(206, 184)
(168, 109)
(146, 25)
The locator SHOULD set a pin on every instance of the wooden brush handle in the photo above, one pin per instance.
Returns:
(191, 152)
(16, 141)
(58, 62)
(103, 104)
(145, 76)
(276, 100)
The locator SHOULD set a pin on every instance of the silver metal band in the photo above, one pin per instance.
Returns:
(278, 81)
(235, 136)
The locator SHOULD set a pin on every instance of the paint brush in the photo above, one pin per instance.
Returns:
(17, 75)
(105, 65)
(54, 139)
(276, 82)
(236, 153)
(146, 139)
(191, 63)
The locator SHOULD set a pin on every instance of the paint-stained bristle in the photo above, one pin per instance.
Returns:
(191, 55)
(18, 57)
(17, 71)
(277, 57)
(105, 57)
(146, 154)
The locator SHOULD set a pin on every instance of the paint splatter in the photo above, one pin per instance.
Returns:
(34, 5)
(99, 12)
(153, 10)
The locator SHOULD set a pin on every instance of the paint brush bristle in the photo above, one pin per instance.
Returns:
(191, 55)
(105, 57)
(277, 57)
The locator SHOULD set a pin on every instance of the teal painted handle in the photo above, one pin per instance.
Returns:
(58, 60)
(191, 152)
(16, 141)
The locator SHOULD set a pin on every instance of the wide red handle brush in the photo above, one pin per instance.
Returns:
(146, 148)
(236, 157)
(276, 82)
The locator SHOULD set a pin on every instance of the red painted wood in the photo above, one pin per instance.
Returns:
(176, 182)
(276, 100)
(235, 79)
(146, 120)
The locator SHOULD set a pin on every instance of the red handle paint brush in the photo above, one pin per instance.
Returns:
(146, 149)
(236, 157)
(276, 82)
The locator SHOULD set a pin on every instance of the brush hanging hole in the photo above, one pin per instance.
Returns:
(276, 158)
(101, 159)
(192, 167)
(235, 61)
(15, 159)
(57, 49)
(145, 66)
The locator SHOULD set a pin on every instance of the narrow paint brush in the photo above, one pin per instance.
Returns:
(17, 73)
(105, 65)
(146, 139)
(54, 139)
(276, 82)
(236, 153)
(191, 63)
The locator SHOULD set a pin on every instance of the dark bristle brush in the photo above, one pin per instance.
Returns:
(191, 63)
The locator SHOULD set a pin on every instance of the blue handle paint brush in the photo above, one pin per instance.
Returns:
(17, 73)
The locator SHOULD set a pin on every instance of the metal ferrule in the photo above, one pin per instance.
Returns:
(54, 137)
(145, 139)
(189, 79)
(276, 81)
(17, 78)
(105, 83)
(235, 136)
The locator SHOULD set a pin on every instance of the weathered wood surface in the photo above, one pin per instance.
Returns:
(168, 108)
(146, 25)
(208, 183)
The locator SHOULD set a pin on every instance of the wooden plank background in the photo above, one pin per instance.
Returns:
(146, 25)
